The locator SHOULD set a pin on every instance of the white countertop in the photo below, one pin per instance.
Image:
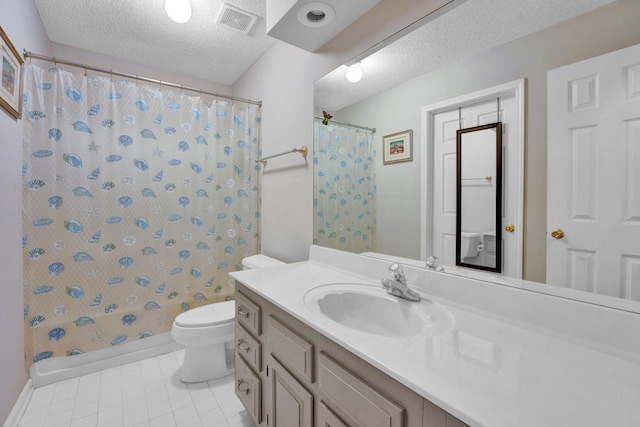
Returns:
(490, 370)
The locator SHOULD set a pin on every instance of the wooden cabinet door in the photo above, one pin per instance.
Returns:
(291, 404)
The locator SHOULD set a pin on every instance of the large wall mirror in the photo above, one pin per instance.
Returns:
(435, 63)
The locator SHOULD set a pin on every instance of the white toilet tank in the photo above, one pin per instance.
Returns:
(259, 261)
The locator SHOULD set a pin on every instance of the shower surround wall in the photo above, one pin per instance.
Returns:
(138, 201)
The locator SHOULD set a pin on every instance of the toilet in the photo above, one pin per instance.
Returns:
(469, 244)
(207, 332)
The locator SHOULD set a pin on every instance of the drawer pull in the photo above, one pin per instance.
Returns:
(244, 346)
(243, 387)
(243, 312)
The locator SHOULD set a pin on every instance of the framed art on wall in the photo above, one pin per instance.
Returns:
(11, 78)
(397, 147)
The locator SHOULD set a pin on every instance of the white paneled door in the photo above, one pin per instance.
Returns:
(593, 187)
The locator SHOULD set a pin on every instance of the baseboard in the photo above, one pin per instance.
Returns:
(56, 369)
(20, 406)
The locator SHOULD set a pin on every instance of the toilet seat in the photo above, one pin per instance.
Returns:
(207, 315)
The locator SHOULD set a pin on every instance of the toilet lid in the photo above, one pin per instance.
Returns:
(208, 315)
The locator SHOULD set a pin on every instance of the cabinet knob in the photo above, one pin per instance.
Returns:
(243, 387)
(244, 346)
(557, 234)
(242, 312)
(509, 228)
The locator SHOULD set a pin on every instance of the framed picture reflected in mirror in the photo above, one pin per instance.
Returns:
(397, 147)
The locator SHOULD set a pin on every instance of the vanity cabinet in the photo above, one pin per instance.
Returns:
(288, 374)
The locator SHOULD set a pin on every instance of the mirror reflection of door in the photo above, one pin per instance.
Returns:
(593, 187)
(443, 121)
(479, 197)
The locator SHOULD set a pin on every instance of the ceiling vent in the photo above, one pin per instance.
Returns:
(236, 19)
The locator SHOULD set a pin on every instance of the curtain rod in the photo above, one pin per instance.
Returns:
(347, 124)
(30, 55)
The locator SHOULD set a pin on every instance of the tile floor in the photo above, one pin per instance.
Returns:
(147, 393)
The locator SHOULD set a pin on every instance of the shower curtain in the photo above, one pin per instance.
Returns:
(137, 200)
(344, 188)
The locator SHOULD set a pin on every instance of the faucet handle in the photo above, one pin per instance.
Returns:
(397, 272)
(433, 262)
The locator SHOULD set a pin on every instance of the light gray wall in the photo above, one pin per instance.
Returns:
(21, 22)
(283, 80)
(610, 28)
(98, 60)
(398, 184)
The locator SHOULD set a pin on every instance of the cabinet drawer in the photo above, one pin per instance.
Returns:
(249, 389)
(326, 418)
(290, 349)
(356, 399)
(248, 314)
(249, 348)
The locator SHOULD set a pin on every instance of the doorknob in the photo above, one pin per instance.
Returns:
(557, 234)
(509, 228)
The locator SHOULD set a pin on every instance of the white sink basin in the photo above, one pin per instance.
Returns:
(370, 309)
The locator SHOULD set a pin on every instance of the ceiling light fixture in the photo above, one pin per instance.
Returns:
(316, 14)
(178, 10)
(354, 73)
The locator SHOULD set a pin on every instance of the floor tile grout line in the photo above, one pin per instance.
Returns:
(110, 385)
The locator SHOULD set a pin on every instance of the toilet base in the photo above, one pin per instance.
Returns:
(205, 363)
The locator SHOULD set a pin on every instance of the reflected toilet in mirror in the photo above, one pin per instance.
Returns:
(470, 245)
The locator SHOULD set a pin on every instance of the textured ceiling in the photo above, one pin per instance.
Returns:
(140, 31)
(472, 27)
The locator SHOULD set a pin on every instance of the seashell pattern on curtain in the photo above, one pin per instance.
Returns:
(344, 188)
(137, 201)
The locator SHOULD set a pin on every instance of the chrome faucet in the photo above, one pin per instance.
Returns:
(397, 285)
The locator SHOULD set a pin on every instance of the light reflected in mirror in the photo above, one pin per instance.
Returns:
(489, 61)
(479, 197)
